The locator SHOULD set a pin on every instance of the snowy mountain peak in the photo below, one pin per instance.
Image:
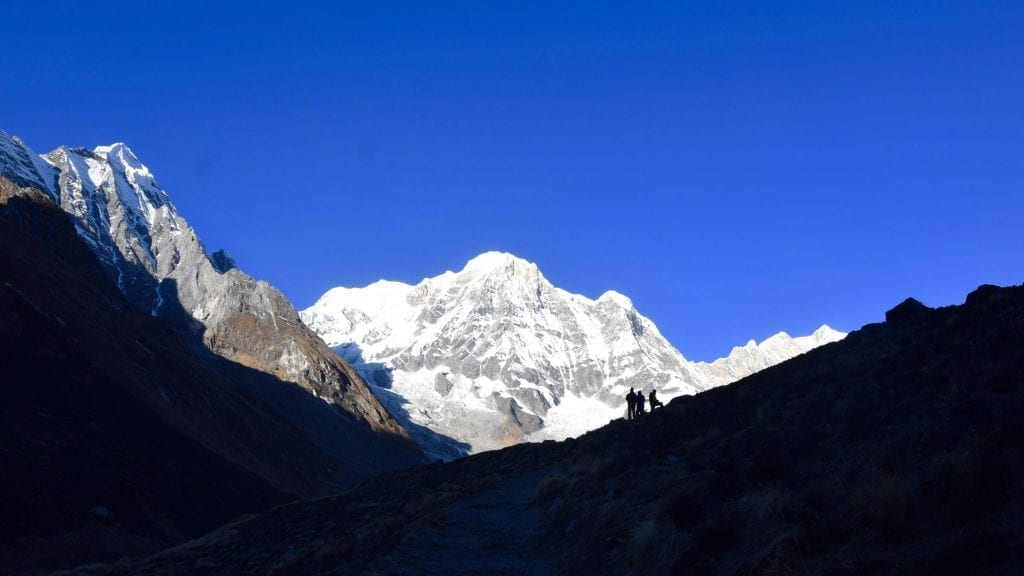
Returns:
(122, 212)
(777, 339)
(754, 356)
(490, 263)
(124, 161)
(614, 297)
(117, 149)
(827, 334)
(121, 156)
(491, 260)
(495, 354)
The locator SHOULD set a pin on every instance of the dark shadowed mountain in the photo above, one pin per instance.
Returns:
(895, 451)
(122, 433)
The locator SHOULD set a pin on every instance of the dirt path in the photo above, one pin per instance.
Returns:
(493, 532)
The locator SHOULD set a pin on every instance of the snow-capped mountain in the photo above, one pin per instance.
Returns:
(743, 361)
(162, 267)
(495, 354)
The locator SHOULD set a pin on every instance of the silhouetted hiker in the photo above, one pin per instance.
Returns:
(653, 399)
(631, 404)
(639, 403)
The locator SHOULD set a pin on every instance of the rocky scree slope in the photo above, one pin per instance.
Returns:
(894, 451)
(495, 354)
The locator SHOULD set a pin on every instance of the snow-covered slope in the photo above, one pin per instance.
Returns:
(495, 354)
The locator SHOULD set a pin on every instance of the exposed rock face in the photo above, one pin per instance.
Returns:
(495, 354)
(160, 264)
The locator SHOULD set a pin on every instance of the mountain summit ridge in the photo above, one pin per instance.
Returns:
(494, 260)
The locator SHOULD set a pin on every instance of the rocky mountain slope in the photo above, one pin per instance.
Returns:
(117, 404)
(160, 265)
(894, 451)
(495, 354)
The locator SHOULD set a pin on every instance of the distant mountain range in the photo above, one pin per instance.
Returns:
(495, 354)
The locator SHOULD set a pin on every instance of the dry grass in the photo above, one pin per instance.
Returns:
(432, 502)
(550, 488)
(654, 546)
(581, 477)
(765, 505)
(884, 501)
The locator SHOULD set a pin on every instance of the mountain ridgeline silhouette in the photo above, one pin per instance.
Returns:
(899, 450)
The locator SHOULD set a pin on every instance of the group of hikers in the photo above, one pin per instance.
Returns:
(635, 403)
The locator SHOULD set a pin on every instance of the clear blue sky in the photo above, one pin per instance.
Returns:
(736, 168)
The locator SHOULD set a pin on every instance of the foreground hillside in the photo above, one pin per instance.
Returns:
(895, 451)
